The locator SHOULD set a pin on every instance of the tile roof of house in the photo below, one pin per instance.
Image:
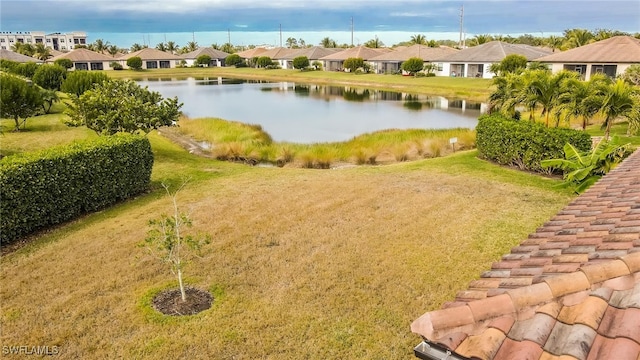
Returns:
(571, 290)
(215, 54)
(251, 53)
(423, 52)
(14, 56)
(278, 53)
(151, 54)
(617, 49)
(356, 52)
(312, 53)
(82, 54)
(494, 51)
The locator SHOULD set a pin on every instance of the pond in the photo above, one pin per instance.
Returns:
(303, 113)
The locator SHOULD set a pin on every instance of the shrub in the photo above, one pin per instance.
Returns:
(233, 60)
(413, 65)
(301, 62)
(264, 61)
(44, 188)
(65, 63)
(50, 76)
(524, 144)
(26, 69)
(134, 63)
(353, 64)
(18, 99)
(203, 60)
(8, 65)
(77, 82)
(115, 65)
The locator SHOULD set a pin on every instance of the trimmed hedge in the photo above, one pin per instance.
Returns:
(523, 143)
(48, 187)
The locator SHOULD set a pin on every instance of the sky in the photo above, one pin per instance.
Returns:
(254, 22)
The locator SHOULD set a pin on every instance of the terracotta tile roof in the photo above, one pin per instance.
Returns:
(569, 291)
(151, 54)
(215, 54)
(494, 51)
(423, 52)
(356, 52)
(617, 49)
(278, 53)
(14, 56)
(82, 54)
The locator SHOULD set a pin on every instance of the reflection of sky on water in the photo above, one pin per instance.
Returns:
(309, 113)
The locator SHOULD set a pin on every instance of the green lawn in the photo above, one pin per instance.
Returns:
(309, 264)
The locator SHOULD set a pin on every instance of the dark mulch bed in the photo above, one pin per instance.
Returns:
(169, 302)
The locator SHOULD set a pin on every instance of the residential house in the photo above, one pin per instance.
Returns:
(14, 56)
(391, 62)
(278, 55)
(571, 290)
(312, 53)
(217, 56)
(610, 56)
(335, 61)
(153, 59)
(251, 53)
(475, 61)
(85, 59)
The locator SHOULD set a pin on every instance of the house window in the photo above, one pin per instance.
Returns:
(63, 48)
(152, 64)
(82, 41)
(81, 66)
(76, 41)
(1, 40)
(97, 66)
(440, 66)
(48, 40)
(165, 64)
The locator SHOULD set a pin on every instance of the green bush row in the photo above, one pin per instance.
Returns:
(523, 143)
(44, 188)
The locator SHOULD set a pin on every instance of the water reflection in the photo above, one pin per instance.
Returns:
(307, 113)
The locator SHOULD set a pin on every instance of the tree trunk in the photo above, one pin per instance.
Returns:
(182, 292)
(17, 120)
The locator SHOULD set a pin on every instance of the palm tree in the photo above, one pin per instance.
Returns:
(328, 43)
(579, 98)
(374, 43)
(17, 47)
(618, 100)
(292, 43)
(113, 50)
(545, 88)
(136, 47)
(578, 37)
(418, 39)
(302, 43)
(161, 46)
(554, 42)
(100, 46)
(42, 52)
(172, 47)
(481, 39)
(191, 46)
(228, 48)
(506, 96)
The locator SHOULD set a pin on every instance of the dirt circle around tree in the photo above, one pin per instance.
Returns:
(169, 302)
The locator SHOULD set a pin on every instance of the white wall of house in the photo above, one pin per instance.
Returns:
(92, 65)
(190, 62)
(557, 67)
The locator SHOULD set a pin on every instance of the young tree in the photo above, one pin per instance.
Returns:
(632, 74)
(161, 46)
(203, 60)
(134, 62)
(301, 62)
(618, 100)
(77, 82)
(42, 52)
(292, 42)
(413, 65)
(169, 240)
(122, 106)
(513, 63)
(48, 98)
(328, 43)
(18, 99)
(113, 50)
(172, 47)
(50, 76)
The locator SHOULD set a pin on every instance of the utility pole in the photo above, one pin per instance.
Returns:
(461, 43)
(280, 35)
(229, 35)
(352, 31)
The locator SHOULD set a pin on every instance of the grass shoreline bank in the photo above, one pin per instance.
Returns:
(467, 88)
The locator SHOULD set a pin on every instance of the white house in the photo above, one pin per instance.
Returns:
(217, 56)
(85, 59)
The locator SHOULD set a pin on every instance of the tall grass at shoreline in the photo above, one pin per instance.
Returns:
(230, 140)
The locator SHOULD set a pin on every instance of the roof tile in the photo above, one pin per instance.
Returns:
(483, 346)
(608, 270)
(588, 312)
(568, 283)
(621, 323)
(492, 307)
(530, 295)
(536, 329)
(522, 350)
(574, 340)
(618, 348)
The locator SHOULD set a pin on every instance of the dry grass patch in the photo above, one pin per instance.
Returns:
(312, 264)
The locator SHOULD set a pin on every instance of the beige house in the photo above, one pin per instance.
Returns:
(475, 61)
(392, 61)
(334, 62)
(85, 59)
(610, 56)
(217, 56)
(251, 53)
(314, 53)
(153, 59)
